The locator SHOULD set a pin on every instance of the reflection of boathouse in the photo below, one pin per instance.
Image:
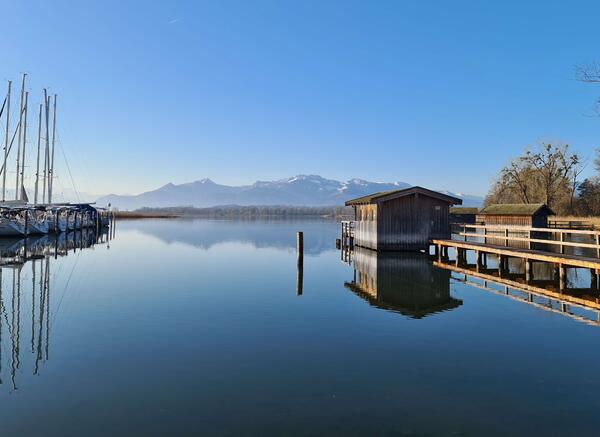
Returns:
(403, 282)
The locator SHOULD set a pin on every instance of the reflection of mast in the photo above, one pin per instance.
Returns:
(47, 305)
(1, 309)
(32, 304)
(15, 322)
(40, 320)
(18, 338)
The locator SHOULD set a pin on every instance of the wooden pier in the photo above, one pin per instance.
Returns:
(537, 294)
(528, 236)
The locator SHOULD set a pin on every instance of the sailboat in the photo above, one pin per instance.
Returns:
(56, 218)
(12, 222)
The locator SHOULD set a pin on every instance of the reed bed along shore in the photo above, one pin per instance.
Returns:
(143, 215)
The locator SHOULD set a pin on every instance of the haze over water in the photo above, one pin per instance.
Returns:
(196, 327)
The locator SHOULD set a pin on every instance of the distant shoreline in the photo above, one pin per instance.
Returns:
(143, 215)
(238, 212)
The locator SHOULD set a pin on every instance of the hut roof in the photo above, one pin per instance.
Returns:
(463, 210)
(516, 209)
(393, 194)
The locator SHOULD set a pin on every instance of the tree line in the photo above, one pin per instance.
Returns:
(549, 173)
(249, 212)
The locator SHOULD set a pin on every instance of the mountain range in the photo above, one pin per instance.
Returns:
(301, 190)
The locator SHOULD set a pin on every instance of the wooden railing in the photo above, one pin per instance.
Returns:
(347, 228)
(503, 233)
(571, 224)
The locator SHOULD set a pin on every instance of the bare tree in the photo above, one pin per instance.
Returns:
(589, 73)
(554, 165)
(548, 174)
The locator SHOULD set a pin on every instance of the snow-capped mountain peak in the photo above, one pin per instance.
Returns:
(299, 190)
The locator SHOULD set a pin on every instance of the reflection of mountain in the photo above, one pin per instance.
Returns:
(407, 283)
(319, 235)
(26, 302)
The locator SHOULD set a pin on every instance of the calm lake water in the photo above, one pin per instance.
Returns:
(196, 327)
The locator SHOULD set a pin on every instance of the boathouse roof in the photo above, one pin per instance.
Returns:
(517, 209)
(383, 196)
(460, 210)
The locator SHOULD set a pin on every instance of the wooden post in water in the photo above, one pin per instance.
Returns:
(593, 279)
(562, 277)
(299, 263)
(528, 271)
(562, 240)
(502, 263)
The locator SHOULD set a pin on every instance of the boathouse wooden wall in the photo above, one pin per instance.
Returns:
(410, 222)
(365, 225)
(535, 221)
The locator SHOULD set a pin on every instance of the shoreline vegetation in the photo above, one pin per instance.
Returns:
(282, 212)
(239, 212)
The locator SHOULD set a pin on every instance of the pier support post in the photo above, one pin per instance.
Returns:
(562, 277)
(502, 266)
(459, 256)
(528, 271)
(593, 279)
(478, 257)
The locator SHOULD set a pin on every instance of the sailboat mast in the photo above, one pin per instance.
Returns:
(6, 140)
(22, 187)
(20, 139)
(46, 150)
(51, 181)
(37, 169)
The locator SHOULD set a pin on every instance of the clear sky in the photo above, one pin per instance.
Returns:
(439, 94)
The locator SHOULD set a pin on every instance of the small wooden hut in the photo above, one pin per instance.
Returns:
(404, 219)
(463, 215)
(516, 214)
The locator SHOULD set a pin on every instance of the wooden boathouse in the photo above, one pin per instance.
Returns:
(466, 215)
(534, 215)
(406, 219)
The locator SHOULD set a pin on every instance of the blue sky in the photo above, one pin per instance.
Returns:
(439, 94)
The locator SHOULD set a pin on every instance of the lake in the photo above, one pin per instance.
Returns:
(198, 327)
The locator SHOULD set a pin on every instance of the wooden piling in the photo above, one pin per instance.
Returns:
(528, 271)
(299, 263)
(562, 277)
(300, 247)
